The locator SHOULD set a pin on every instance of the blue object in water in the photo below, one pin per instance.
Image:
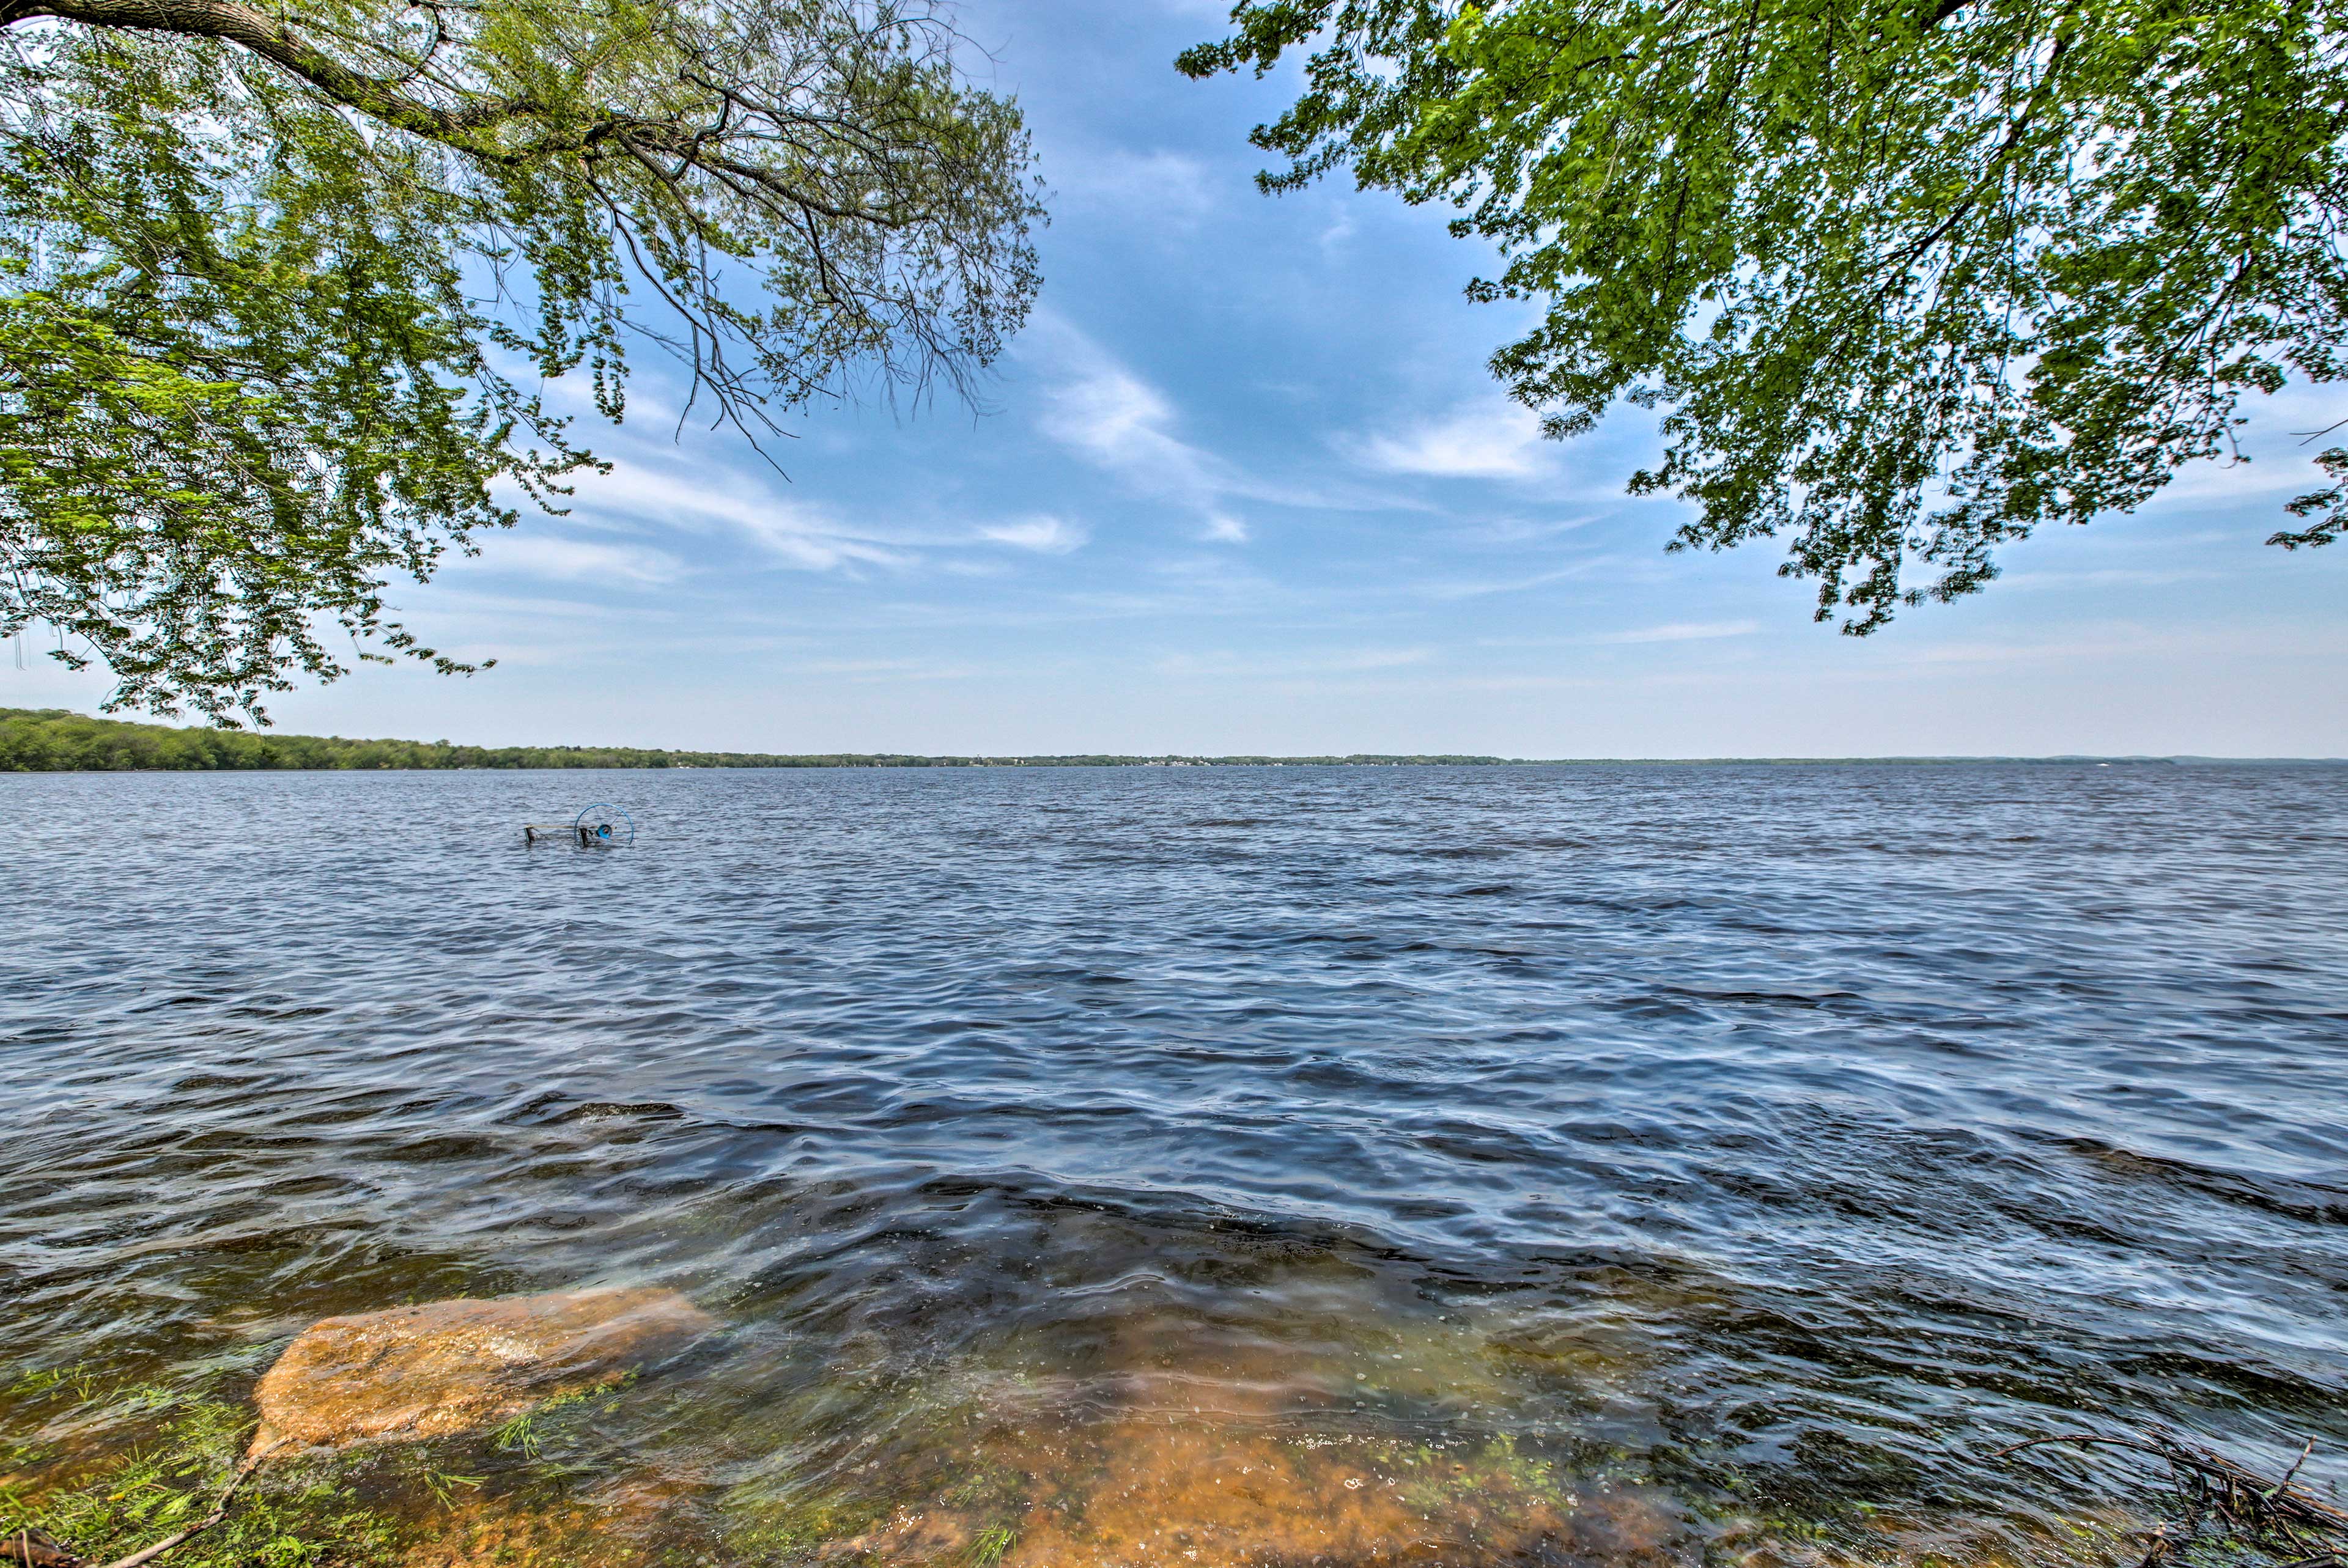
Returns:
(605, 826)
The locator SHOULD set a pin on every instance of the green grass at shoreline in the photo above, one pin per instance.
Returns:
(57, 739)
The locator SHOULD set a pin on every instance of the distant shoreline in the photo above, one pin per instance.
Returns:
(57, 739)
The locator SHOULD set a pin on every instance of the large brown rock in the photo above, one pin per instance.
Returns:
(447, 1366)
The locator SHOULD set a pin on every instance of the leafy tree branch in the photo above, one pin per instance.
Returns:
(1908, 282)
(280, 287)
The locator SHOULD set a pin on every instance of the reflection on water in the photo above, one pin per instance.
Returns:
(1111, 1168)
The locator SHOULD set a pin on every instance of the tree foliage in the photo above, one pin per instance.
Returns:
(1910, 278)
(282, 285)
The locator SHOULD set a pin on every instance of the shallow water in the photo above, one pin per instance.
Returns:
(1123, 1166)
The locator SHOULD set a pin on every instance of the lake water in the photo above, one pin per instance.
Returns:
(1204, 1165)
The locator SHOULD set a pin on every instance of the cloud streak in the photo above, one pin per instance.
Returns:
(1044, 535)
(800, 535)
(1118, 423)
(1681, 631)
(1481, 440)
(1172, 189)
(579, 561)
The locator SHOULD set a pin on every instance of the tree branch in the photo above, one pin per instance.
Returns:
(274, 41)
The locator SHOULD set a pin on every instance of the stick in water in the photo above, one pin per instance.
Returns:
(220, 1510)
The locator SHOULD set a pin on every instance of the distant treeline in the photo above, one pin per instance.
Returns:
(55, 740)
(58, 741)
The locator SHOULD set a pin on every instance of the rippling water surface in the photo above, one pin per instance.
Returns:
(1124, 1166)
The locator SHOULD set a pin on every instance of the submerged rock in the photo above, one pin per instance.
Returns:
(447, 1366)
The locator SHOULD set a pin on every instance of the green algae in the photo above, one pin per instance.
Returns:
(108, 1470)
(185, 1447)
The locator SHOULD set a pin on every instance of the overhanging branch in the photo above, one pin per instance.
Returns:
(273, 40)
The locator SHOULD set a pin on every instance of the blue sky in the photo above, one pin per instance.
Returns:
(1244, 485)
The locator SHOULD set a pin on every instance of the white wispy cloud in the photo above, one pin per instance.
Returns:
(882, 670)
(1502, 533)
(1107, 414)
(1044, 534)
(563, 559)
(1334, 661)
(1681, 631)
(459, 592)
(2111, 576)
(1110, 417)
(1487, 439)
(1473, 588)
(803, 534)
(1171, 187)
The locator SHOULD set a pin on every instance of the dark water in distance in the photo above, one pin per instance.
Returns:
(1705, 1161)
